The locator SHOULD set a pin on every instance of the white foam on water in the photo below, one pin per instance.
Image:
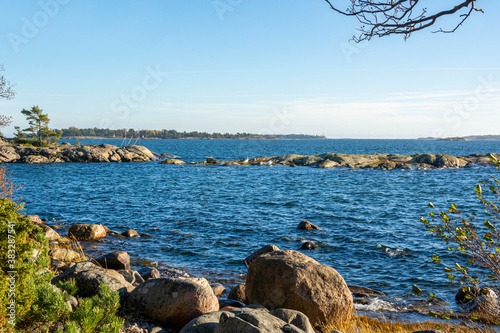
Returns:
(380, 305)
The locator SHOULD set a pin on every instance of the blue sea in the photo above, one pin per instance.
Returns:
(207, 219)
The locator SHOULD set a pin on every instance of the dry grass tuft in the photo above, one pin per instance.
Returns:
(363, 324)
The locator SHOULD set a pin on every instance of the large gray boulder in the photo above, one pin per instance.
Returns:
(248, 320)
(89, 278)
(292, 280)
(174, 302)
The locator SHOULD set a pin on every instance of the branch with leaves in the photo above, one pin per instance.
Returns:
(402, 17)
(475, 239)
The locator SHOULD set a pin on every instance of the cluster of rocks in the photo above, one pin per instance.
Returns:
(290, 292)
(11, 153)
(284, 291)
(376, 161)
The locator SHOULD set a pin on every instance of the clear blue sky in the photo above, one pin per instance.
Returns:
(262, 66)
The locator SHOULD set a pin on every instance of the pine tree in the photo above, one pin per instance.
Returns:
(39, 129)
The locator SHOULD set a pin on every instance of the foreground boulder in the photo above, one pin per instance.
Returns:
(89, 277)
(292, 280)
(84, 232)
(250, 320)
(174, 302)
(258, 320)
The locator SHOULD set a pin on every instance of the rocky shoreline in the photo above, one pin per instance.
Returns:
(370, 161)
(64, 153)
(304, 297)
(105, 153)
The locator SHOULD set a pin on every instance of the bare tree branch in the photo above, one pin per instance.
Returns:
(6, 88)
(402, 17)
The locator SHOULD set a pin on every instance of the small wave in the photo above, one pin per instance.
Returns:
(268, 203)
(380, 305)
(392, 252)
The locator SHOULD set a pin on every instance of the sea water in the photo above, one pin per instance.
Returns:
(207, 219)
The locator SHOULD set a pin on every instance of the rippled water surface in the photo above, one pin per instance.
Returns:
(207, 219)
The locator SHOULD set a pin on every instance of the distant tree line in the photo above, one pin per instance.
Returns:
(74, 132)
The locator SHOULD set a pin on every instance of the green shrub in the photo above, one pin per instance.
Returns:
(68, 286)
(97, 313)
(27, 299)
(23, 258)
(50, 305)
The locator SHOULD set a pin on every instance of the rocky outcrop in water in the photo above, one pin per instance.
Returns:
(10, 153)
(373, 161)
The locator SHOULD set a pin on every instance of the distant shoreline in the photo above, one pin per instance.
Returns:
(465, 138)
(188, 138)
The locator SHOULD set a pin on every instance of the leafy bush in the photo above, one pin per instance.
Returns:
(473, 238)
(22, 260)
